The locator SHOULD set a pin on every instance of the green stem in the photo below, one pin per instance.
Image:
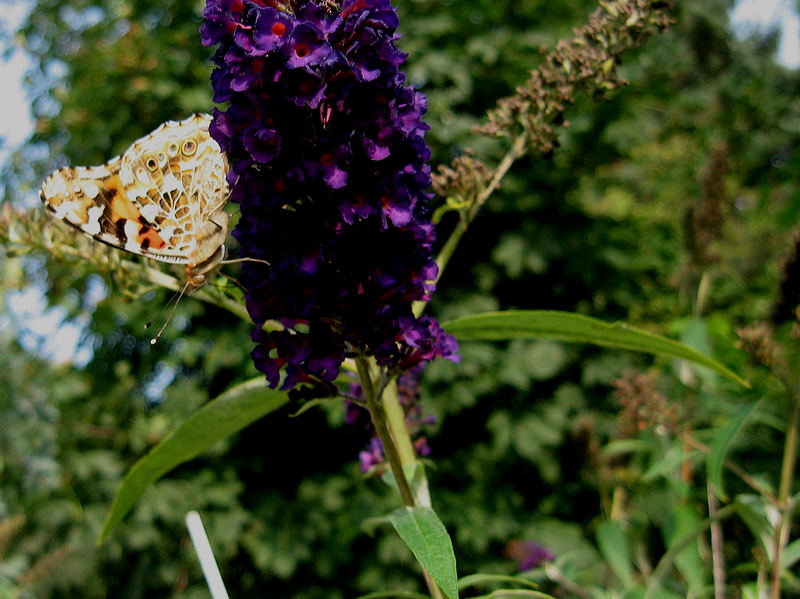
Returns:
(516, 151)
(444, 256)
(396, 421)
(788, 465)
(615, 513)
(556, 575)
(162, 279)
(717, 544)
(378, 415)
(375, 405)
(703, 291)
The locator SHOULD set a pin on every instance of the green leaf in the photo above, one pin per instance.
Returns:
(642, 593)
(791, 554)
(313, 403)
(684, 521)
(227, 414)
(426, 536)
(720, 446)
(414, 473)
(614, 547)
(623, 446)
(754, 510)
(514, 594)
(567, 326)
(671, 462)
(484, 579)
(387, 594)
(695, 335)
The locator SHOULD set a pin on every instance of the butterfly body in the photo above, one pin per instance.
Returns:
(163, 198)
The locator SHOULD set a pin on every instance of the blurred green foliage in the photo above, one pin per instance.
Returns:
(599, 227)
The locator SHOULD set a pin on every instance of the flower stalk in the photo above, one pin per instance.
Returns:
(785, 502)
(384, 427)
(377, 414)
(400, 434)
(534, 116)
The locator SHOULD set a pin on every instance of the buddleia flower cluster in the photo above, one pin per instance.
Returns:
(328, 159)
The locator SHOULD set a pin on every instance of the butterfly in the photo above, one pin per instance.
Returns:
(163, 198)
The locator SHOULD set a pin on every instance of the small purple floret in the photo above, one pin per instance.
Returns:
(371, 456)
(534, 556)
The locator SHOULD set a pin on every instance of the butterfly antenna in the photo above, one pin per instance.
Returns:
(174, 300)
(149, 323)
(235, 260)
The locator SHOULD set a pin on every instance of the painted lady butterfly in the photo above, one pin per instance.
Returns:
(163, 198)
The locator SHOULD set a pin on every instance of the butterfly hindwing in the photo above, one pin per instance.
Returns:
(176, 175)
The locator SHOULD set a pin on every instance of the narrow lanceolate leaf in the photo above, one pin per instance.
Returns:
(515, 594)
(720, 446)
(682, 522)
(426, 536)
(227, 414)
(567, 326)
(791, 555)
(486, 579)
(614, 546)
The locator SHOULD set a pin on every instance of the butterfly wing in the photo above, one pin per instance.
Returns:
(87, 198)
(176, 178)
(164, 198)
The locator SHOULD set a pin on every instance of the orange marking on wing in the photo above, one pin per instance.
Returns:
(122, 209)
(121, 206)
(152, 238)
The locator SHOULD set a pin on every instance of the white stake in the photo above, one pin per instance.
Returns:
(206, 556)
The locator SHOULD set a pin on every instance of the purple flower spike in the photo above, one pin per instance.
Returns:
(328, 164)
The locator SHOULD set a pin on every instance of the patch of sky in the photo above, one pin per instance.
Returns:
(81, 19)
(757, 16)
(160, 379)
(47, 331)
